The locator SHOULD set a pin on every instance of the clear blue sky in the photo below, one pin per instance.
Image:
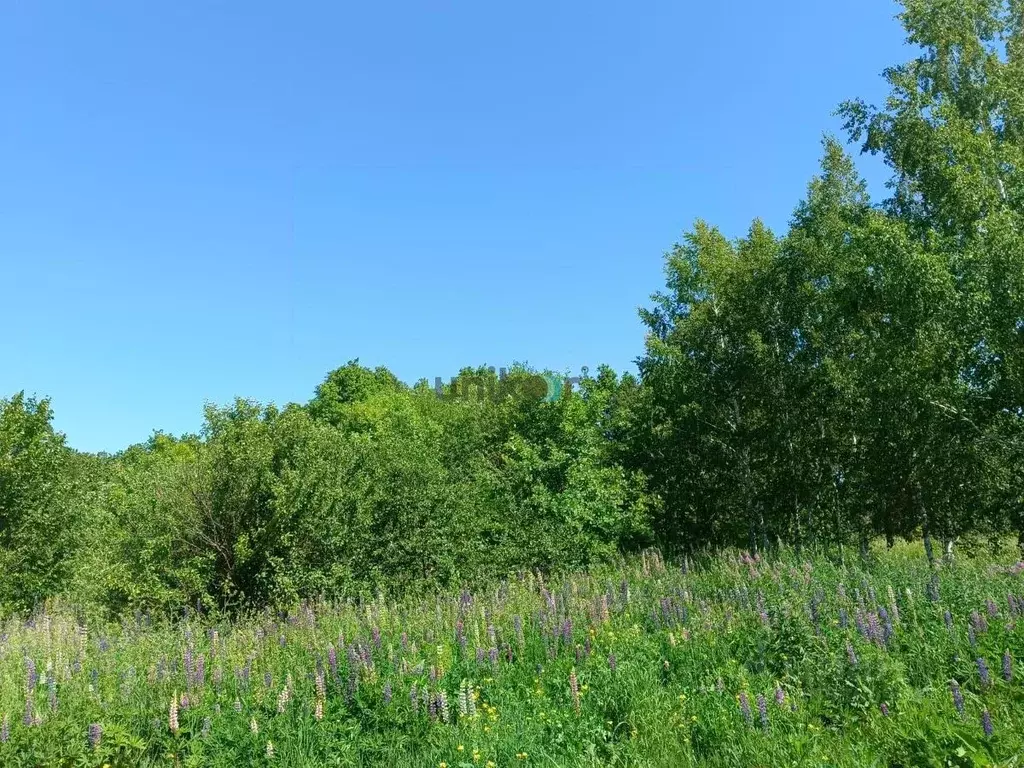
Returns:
(203, 200)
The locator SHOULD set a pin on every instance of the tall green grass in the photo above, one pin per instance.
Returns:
(730, 660)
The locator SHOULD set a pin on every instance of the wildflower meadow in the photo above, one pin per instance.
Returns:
(726, 660)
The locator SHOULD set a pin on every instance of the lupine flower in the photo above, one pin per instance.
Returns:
(574, 689)
(979, 623)
(745, 707)
(270, 750)
(611, 662)
(762, 709)
(95, 734)
(780, 695)
(986, 723)
(958, 697)
(31, 676)
(238, 705)
(207, 724)
(884, 708)
(1007, 666)
(254, 727)
(5, 729)
(850, 655)
(172, 715)
(983, 674)
(387, 692)
(318, 710)
(320, 683)
(948, 618)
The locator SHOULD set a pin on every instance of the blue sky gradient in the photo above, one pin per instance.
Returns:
(204, 200)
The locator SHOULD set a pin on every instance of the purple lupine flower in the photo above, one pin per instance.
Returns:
(844, 618)
(414, 700)
(376, 637)
(31, 676)
(493, 653)
(983, 674)
(958, 697)
(971, 636)
(887, 631)
(874, 631)
(479, 655)
(986, 723)
(991, 607)
(29, 718)
(268, 679)
(979, 623)
(1007, 666)
(850, 655)
(762, 709)
(780, 695)
(5, 729)
(387, 692)
(745, 707)
(187, 659)
(95, 735)
(948, 618)
(858, 618)
(884, 709)
(611, 662)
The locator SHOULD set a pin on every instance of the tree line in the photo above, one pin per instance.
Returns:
(860, 375)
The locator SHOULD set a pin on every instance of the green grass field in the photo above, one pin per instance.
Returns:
(728, 661)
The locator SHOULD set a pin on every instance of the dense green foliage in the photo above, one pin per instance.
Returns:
(730, 660)
(860, 375)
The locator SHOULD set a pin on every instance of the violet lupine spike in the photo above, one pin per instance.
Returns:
(983, 674)
(387, 692)
(31, 675)
(762, 710)
(414, 700)
(851, 656)
(947, 617)
(884, 709)
(745, 707)
(958, 697)
(780, 695)
(95, 735)
(986, 723)
(1007, 666)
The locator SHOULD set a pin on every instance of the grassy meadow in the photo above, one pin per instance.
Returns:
(731, 660)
